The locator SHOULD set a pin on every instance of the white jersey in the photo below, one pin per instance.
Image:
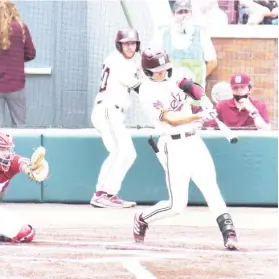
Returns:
(119, 76)
(157, 97)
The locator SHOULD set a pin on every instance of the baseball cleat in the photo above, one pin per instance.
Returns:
(104, 201)
(140, 227)
(122, 203)
(231, 242)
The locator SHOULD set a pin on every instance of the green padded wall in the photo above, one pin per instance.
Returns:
(74, 165)
(21, 188)
(247, 172)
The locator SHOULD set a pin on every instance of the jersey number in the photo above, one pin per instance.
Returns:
(104, 79)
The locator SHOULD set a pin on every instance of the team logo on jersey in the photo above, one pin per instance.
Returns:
(158, 105)
(176, 103)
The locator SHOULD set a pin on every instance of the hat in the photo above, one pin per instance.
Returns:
(240, 79)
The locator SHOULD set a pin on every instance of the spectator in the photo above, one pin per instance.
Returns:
(242, 111)
(258, 12)
(16, 47)
(189, 46)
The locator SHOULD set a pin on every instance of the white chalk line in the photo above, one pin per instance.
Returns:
(130, 249)
(148, 257)
(196, 241)
(134, 267)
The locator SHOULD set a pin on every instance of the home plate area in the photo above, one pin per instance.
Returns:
(73, 247)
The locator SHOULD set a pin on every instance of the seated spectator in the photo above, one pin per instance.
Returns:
(258, 12)
(16, 47)
(242, 111)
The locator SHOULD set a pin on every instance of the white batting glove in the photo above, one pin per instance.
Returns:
(208, 114)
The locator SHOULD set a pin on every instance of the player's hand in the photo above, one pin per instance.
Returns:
(38, 168)
(245, 103)
(207, 114)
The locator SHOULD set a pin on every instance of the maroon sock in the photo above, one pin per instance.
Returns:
(100, 193)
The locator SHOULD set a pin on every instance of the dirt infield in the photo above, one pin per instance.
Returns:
(81, 242)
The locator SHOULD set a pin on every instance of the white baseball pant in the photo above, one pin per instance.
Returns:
(185, 159)
(109, 121)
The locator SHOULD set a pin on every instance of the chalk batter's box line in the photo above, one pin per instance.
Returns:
(130, 249)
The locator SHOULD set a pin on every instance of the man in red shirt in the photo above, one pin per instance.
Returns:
(12, 229)
(242, 111)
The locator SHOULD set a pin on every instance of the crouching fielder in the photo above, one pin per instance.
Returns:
(13, 229)
(184, 153)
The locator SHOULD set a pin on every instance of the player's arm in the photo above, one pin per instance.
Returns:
(175, 118)
(130, 75)
(24, 164)
(158, 110)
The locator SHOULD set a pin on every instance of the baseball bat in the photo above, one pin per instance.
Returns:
(229, 135)
(126, 13)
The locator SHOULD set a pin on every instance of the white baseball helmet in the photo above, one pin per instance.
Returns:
(221, 91)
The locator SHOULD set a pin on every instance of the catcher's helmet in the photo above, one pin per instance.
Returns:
(127, 35)
(6, 151)
(154, 61)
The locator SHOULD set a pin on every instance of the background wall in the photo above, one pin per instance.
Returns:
(74, 37)
(247, 172)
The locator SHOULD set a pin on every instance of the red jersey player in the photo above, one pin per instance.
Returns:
(12, 229)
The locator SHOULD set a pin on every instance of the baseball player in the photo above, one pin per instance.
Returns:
(184, 154)
(12, 229)
(120, 75)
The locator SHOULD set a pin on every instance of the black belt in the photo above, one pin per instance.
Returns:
(178, 136)
(116, 106)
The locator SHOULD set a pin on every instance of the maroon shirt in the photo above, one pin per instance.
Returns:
(12, 77)
(233, 118)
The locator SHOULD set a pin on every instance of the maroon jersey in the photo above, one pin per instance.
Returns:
(5, 177)
(12, 77)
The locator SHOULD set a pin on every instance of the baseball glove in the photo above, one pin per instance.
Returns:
(38, 169)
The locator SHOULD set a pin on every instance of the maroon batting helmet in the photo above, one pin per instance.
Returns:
(154, 61)
(127, 35)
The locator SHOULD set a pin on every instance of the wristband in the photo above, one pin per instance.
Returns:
(254, 114)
